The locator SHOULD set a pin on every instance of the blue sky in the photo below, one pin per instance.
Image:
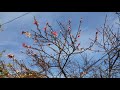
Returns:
(11, 39)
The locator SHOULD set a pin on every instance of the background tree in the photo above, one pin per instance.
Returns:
(109, 45)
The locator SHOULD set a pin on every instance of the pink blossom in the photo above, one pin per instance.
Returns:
(54, 33)
(26, 46)
(36, 22)
(45, 28)
(10, 56)
(78, 36)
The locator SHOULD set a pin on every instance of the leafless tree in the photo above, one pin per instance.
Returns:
(53, 51)
(109, 47)
(58, 54)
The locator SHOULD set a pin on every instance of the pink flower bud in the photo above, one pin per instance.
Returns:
(54, 33)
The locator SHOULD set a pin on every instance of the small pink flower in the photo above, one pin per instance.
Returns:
(45, 28)
(78, 36)
(10, 56)
(36, 22)
(28, 34)
(25, 46)
(69, 28)
(34, 54)
(49, 44)
(54, 33)
(28, 46)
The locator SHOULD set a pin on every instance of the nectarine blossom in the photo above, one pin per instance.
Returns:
(54, 33)
(10, 56)
(36, 22)
(26, 46)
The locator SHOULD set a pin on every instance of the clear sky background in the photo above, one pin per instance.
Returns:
(11, 39)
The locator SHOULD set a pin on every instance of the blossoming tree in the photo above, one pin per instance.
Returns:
(53, 52)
